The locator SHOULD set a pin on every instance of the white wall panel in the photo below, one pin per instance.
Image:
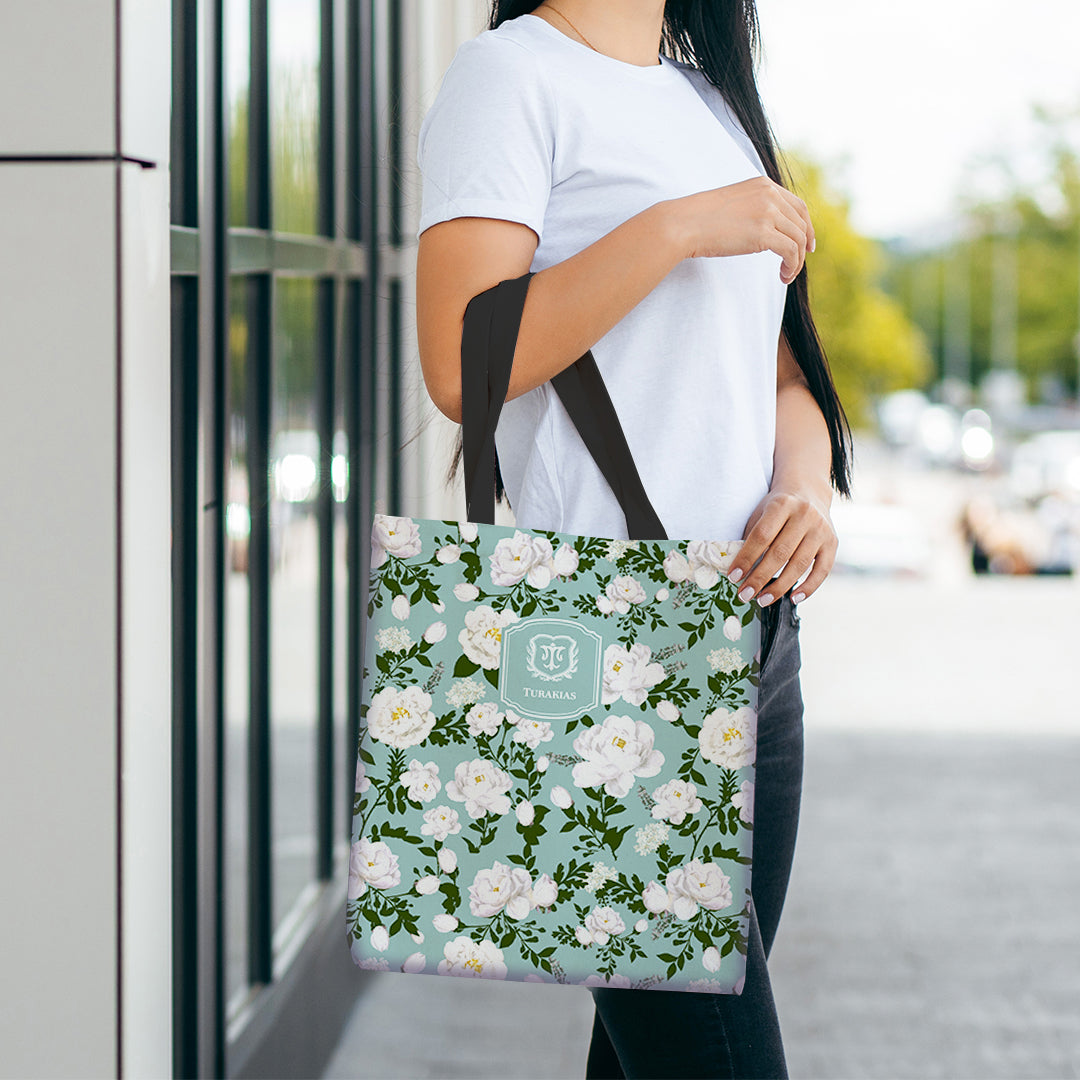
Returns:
(58, 644)
(58, 76)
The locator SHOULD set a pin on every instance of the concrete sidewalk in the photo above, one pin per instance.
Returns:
(930, 930)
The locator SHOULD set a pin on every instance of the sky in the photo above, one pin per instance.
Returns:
(901, 100)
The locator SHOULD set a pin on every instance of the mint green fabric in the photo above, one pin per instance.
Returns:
(555, 772)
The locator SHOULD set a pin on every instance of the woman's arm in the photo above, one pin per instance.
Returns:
(569, 306)
(791, 524)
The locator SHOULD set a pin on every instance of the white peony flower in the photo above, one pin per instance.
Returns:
(708, 559)
(447, 860)
(448, 554)
(466, 592)
(641, 926)
(711, 958)
(371, 864)
(502, 886)
(414, 964)
(401, 606)
(624, 590)
(421, 782)
(435, 632)
(522, 557)
(655, 897)
(481, 639)
(744, 800)
(668, 710)
(427, 885)
(629, 673)
(482, 786)
(544, 891)
(400, 718)
(380, 938)
(675, 566)
(695, 883)
(484, 719)
(542, 763)
(362, 781)
(445, 924)
(397, 536)
(674, 800)
(733, 628)
(440, 822)
(472, 959)
(531, 732)
(526, 812)
(615, 752)
(661, 594)
(603, 923)
(621, 981)
(561, 797)
(468, 531)
(565, 561)
(728, 739)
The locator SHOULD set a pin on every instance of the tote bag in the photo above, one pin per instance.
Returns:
(555, 773)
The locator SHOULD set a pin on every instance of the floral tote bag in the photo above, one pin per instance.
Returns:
(555, 774)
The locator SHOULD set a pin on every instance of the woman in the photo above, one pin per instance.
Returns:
(643, 192)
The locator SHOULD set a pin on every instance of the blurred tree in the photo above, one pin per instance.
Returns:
(872, 345)
(1033, 230)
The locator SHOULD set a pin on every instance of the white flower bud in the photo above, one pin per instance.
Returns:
(447, 860)
(435, 632)
(427, 885)
(444, 923)
(525, 813)
(380, 938)
(400, 606)
(561, 797)
(415, 963)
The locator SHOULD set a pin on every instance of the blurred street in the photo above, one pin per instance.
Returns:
(930, 926)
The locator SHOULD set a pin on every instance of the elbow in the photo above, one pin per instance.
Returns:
(447, 398)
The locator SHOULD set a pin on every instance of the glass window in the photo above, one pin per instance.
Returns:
(236, 648)
(237, 87)
(294, 597)
(294, 114)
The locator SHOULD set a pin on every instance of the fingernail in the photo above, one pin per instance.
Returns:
(746, 593)
(798, 596)
(734, 575)
(765, 599)
(813, 243)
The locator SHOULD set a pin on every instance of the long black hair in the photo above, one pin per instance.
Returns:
(722, 39)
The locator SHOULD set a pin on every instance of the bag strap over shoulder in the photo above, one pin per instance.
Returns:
(489, 338)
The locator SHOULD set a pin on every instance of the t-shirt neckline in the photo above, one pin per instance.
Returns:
(646, 71)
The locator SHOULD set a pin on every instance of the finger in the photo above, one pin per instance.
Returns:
(800, 207)
(797, 565)
(791, 225)
(823, 565)
(782, 534)
(787, 247)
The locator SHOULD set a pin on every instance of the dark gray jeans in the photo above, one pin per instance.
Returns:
(657, 1034)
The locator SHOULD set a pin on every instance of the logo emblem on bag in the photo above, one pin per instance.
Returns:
(550, 668)
(549, 657)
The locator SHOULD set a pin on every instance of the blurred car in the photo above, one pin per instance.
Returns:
(1046, 462)
(880, 538)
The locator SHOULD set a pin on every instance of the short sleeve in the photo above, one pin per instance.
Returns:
(486, 144)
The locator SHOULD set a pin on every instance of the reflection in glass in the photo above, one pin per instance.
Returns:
(294, 567)
(294, 114)
(344, 753)
(237, 86)
(236, 653)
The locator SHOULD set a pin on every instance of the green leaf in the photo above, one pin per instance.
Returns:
(492, 676)
(464, 666)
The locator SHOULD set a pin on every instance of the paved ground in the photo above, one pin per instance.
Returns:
(931, 926)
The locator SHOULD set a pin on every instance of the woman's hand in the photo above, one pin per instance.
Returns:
(792, 526)
(741, 219)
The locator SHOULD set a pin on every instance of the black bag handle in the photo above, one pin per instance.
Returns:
(489, 337)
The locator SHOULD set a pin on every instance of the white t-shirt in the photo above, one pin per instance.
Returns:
(533, 126)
